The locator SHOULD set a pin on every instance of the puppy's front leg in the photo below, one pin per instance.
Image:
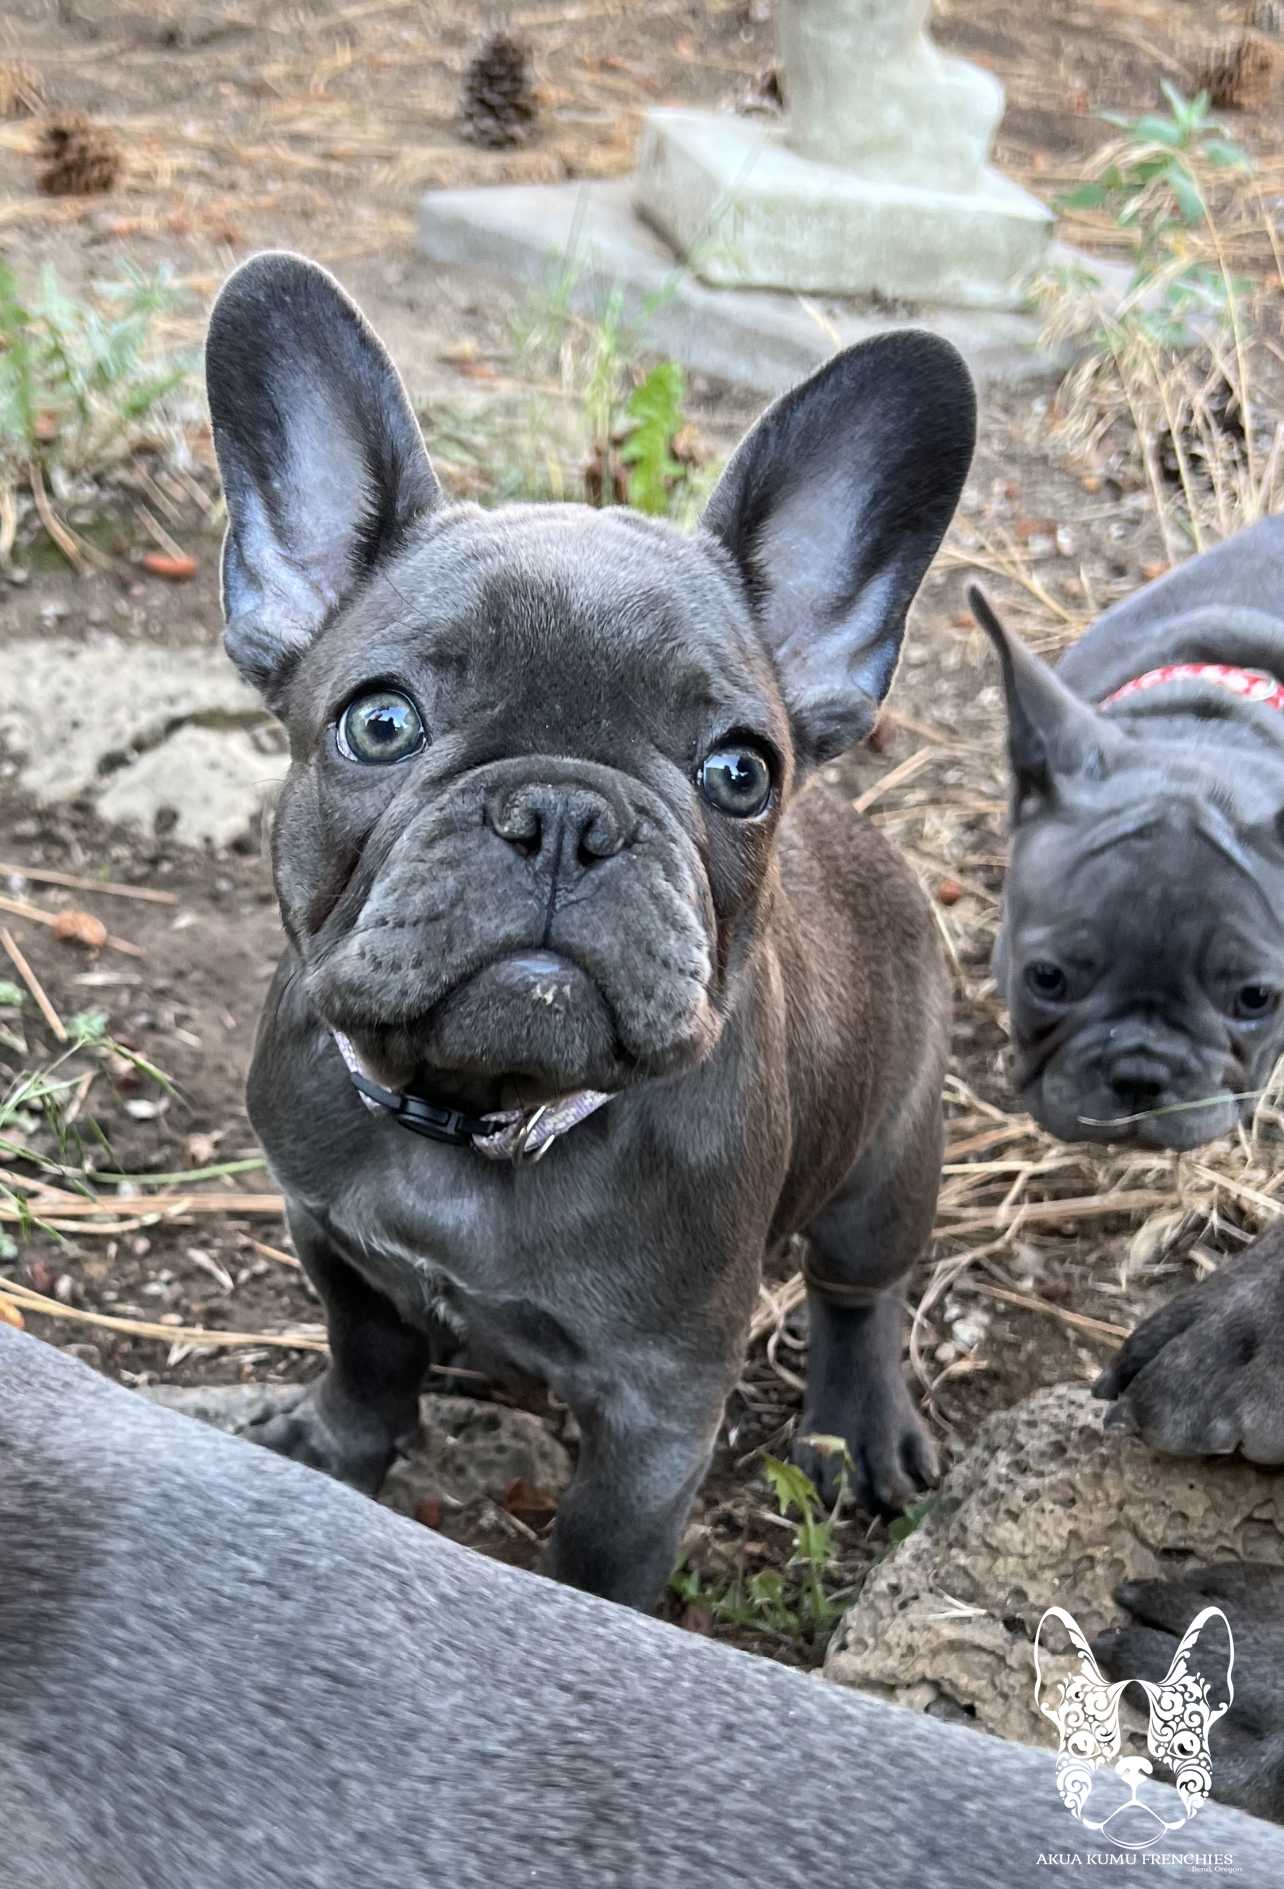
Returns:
(642, 1457)
(863, 1243)
(349, 1421)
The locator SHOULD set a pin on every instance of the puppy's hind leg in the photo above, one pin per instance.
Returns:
(350, 1420)
(861, 1247)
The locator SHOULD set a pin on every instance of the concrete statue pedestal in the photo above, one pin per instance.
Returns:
(877, 186)
(877, 183)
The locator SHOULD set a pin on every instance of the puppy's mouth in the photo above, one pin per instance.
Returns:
(1072, 1113)
(528, 1027)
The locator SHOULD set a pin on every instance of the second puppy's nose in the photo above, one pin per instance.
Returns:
(1139, 1081)
(566, 828)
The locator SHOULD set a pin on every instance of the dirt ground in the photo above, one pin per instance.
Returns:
(318, 128)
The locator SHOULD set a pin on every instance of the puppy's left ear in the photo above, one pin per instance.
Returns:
(323, 464)
(1052, 735)
(833, 507)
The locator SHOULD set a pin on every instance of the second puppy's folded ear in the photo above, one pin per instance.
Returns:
(322, 461)
(833, 507)
(1052, 733)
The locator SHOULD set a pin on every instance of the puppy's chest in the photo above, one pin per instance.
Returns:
(527, 1271)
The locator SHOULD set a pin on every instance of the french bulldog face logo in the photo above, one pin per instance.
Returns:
(1182, 1707)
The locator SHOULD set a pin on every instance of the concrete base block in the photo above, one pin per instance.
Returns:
(584, 242)
(748, 212)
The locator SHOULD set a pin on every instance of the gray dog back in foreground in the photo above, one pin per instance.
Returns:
(219, 1670)
(1142, 955)
(553, 828)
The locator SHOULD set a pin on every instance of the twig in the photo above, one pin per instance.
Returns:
(904, 770)
(155, 1206)
(75, 549)
(154, 529)
(45, 875)
(1053, 1212)
(34, 985)
(1099, 1326)
(30, 1301)
(274, 1252)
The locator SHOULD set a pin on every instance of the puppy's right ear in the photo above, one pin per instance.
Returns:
(1051, 732)
(323, 464)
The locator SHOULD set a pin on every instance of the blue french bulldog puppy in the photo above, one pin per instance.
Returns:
(593, 996)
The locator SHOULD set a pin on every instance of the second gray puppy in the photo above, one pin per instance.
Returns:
(1141, 952)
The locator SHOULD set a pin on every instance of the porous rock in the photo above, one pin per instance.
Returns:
(1047, 1507)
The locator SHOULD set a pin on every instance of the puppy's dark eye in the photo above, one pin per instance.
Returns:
(736, 780)
(379, 727)
(1046, 980)
(1255, 1000)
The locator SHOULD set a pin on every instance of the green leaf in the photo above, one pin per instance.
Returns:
(1084, 197)
(87, 1027)
(792, 1487)
(1186, 192)
(903, 1527)
(1155, 130)
(12, 996)
(654, 416)
(1222, 152)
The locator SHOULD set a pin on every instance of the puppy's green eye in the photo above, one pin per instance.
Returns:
(1254, 1000)
(736, 780)
(379, 727)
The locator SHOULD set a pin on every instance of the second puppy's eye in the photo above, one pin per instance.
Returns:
(736, 780)
(1046, 980)
(1255, 1000)
(380, 727)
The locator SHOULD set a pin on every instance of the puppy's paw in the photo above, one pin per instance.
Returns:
(1247, 1744)
(308, 1432)
(1204, 1376)
(892, 1458)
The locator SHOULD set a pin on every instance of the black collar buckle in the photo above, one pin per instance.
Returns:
(434, 1120)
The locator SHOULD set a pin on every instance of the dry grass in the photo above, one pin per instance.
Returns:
(1200, 415)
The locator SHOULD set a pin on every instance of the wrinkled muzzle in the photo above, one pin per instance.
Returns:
(541, 918)
(1129, 1082)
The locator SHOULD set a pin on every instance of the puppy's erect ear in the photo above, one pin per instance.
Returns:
(833, 507)
(323, 464)
(1051, 731)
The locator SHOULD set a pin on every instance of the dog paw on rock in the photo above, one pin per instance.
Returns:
(1204, 1375)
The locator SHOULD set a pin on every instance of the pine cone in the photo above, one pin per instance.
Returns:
(1237, 74)
(22, 92)
(499, 93)
(77, 158)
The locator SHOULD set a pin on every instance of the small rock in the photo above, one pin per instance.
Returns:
(468, 1449)
(227, 1407)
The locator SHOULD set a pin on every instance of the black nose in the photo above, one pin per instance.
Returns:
(568, 829)
(1139, 1081)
